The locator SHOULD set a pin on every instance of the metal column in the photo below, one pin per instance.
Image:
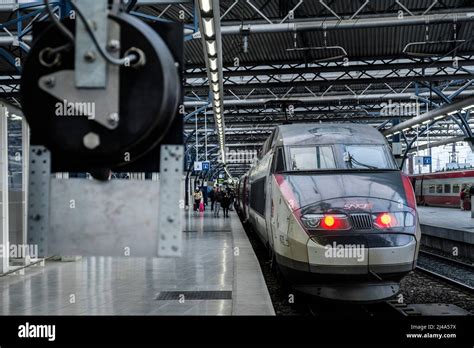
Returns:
(4, 242)
(25, 160)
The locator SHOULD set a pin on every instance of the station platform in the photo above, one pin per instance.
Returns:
(445, 228)
(218, 274)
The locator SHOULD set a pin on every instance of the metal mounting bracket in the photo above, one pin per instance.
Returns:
(90, 66)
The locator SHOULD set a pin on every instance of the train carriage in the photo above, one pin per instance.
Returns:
(442, 189)
(335, 212)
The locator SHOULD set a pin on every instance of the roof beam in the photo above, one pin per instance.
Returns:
(359, 23)
(335, 68)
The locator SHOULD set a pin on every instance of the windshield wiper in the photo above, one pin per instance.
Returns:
(352, 160)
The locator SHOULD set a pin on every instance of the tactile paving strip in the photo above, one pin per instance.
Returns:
(193, 295)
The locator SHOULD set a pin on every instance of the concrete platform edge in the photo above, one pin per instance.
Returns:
(250, 293)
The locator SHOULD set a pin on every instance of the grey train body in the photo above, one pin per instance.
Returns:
(336, 214)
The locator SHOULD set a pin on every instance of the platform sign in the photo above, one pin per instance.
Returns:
(422, 160)
(206, 165)
(197, 166)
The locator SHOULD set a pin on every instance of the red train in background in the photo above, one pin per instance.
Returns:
(442, 189)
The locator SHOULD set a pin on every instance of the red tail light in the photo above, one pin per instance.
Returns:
(386, 220)
(328, 221)
(410, 195)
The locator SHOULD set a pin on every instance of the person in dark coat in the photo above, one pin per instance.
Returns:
(225, 204)
(217, 202)
(212, 197)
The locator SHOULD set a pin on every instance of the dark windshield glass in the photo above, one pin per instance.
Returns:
(367, 156)
(312, 158)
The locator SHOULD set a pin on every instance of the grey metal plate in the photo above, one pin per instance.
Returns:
(91, 74)
(193, 295)
(114, 218)
(170, 200)
(38, 198)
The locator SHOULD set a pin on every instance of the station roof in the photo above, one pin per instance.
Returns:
(303, 61)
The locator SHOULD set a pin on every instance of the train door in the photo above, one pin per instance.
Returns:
(277, 166)
(245, 201)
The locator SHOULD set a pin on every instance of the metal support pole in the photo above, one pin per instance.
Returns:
(205, 133)
(25, 160)
(197, 138)
(4, 241)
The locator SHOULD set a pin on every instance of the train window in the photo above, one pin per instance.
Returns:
(447, 188)
(455, 188)
(439, 188)
(367, 156)
(278, 161)
(312, 158)
(257, 196)
(432, 188)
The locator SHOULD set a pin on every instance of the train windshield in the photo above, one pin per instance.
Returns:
(367, 156)
(312, 158)
(339, 156)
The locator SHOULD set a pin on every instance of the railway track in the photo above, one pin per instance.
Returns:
(449, 260)
(468, 267)
(450, 281)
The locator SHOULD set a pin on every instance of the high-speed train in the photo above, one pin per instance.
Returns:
(336, 214)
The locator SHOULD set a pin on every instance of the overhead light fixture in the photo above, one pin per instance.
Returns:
(213, 64)
(211, 48)
(439, 117)
(217, 103)
(404, 130)
(427, 121)
(215, 87)
(468, 107)
(452, 112)
(214, 78)
(218, 110)
(208, 27)
(206, 5)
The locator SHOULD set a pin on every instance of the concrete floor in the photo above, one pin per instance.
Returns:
(217, 257)
(447, 223)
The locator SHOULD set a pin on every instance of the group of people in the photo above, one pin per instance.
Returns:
(219, 197)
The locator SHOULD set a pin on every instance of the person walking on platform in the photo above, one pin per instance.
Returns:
(469, 195)
(225, 204)
(212, 197)
(197, 199)
(467, 199)
(461, 198)
(217, 202)
(204, 195)
(232, 199)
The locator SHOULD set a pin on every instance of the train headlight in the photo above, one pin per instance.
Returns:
(393, 220)
(312, 220)
(326, 221)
